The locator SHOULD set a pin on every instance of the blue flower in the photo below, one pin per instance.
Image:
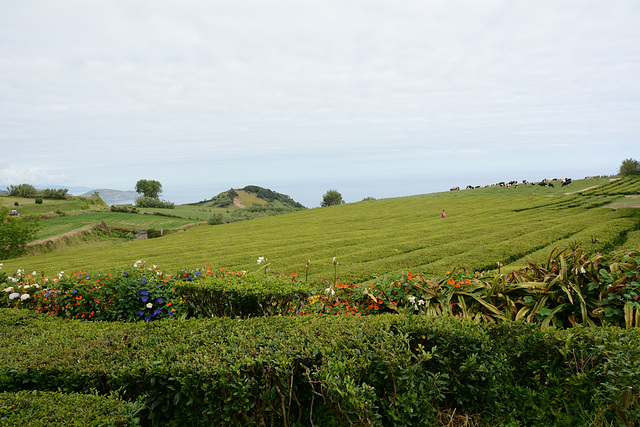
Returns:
(159, 300)
(156, 312)
(47, 294)
(75, 291)
(141, 313)
(147, 319)
(198, 273)
(171, 313)
(144, 282)
(143, 293)
(144, 299)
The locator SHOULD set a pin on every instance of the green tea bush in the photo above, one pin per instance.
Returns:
(243, 295)
(332, 370)
(44, 409)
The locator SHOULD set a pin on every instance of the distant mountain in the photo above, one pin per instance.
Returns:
(114, 197)
(249, 196)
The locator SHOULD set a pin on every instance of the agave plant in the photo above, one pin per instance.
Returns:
(572, 288)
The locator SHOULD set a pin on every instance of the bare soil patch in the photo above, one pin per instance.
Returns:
(631, 201)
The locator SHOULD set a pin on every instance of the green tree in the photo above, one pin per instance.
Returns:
(149, 188)
(331, 198)
(15, 233)
(22, 190)
(629, 167)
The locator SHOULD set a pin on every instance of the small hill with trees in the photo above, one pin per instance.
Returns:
(249, 202)
(250, 196)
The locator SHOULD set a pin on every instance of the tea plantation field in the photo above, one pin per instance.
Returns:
(484, 228)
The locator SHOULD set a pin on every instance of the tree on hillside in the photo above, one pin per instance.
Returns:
(15, 233)
(331, 198)
(22, 190)
(149, 188)
(629, 167)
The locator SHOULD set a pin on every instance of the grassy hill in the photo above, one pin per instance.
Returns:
(51, 207)
(483, 227)
(249, 196)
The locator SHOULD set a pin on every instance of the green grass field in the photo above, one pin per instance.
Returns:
(55, 226)
(372, 238)
(71, 205)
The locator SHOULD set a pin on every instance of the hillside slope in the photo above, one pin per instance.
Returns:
(248, 196)
(483, 227)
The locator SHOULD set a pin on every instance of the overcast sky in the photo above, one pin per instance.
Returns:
(372, 98)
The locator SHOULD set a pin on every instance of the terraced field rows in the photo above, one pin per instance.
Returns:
(373, 238)
(624, 186)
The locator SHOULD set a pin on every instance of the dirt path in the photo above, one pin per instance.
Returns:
(584, 189)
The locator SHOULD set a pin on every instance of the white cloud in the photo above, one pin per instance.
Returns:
(212, 90)
(29, 175)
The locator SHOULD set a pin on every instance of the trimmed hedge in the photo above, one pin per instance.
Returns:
(243, 296)
(331, 370)
(43, 408)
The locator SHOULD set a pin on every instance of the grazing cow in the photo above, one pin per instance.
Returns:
(589, 177)
(455, 188)
(551, 184)
(543, 183)
(469, 187)
(566, 181)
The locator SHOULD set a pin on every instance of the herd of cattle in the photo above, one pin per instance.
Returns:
(547, 182)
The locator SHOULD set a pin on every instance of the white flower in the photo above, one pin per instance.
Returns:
(421, 302)
(1, 264)
(260, 260)
(412, 299)
(137, 263)
(13, 279)
(34, 273)
(9, 289)
(24, 297)
(155, 266)
(149, 305)
(582, 270)
(14, 296)
(326, 291)
(25, 286)
(60, 274)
